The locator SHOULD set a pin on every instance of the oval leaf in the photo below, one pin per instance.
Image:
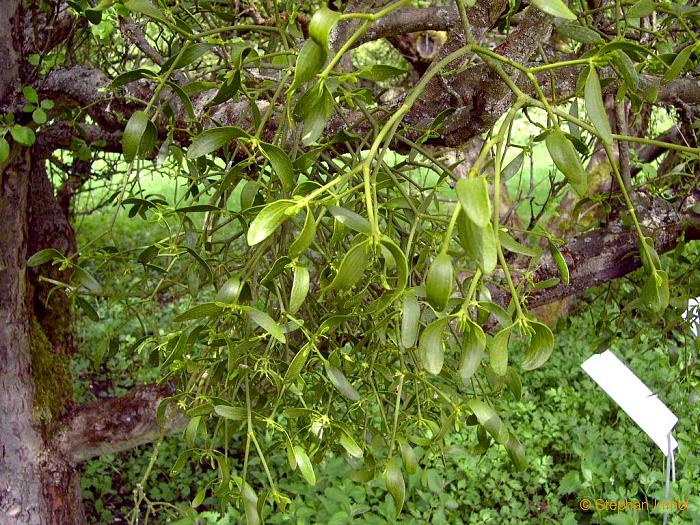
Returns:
(267, 323)
(304, 464)
(133, 133)
(554, 8)
(410, 318)
(352, 267)
(474, 198)
(280, 163)
(212, 139)
(498, 351)
(268, 220)
(431, 348)
(541, 346)
(341, 383)
(305, 238)
(439, 281)
(473, 348)
(395, 484)
(300, 288)
(565, 157)
(595, 107)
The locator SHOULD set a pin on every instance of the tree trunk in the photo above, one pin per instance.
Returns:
(37, 485)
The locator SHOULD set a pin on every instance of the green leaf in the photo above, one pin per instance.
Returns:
(439, 282)
(267, 323)
(30, 95)
(678, 64)
(309, 62)
(473, 347)
(625, 67)
(350, 445)
(304, 464)
(4, 150)
(498, 351)
(352, 267)
(488, 418)
(565, 157)
(410, 319)
(88, 309)
(145, 8)
(23, 135)
(305, 237)
(516, 452)
(479, 243)
(44, 256)
(474, 198)
(655, 292)
(39, 116)
(579, 33)
(352, 220)
(395, 483)
(82, 277)
(641, 9)
(554, 8)
(408, 455)
(199, 311)
(541, 346)
(232, 413)
(560, 262)
(297, 364)
(650, 258)
(595, 107)
(191, 54)
(510, 244)
(133, 134)
(229, 291)
(321, 24)
(268, 220)
(250, 502)
(300, 288)
(380, 72)
(228, 89)
(212, 139)
(431, 348)
(341, 383)
(280, 163)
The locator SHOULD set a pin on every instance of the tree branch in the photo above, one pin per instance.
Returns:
(602, 255)
(114, 425)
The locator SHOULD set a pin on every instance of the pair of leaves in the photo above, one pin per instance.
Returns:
(474, 224)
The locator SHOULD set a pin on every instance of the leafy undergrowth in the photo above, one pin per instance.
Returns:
(579, 446)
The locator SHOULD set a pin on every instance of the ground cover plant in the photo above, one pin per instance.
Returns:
(351, 256)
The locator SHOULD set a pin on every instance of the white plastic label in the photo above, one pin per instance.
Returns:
(634, 397)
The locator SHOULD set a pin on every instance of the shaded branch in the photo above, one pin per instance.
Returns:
(114, 425)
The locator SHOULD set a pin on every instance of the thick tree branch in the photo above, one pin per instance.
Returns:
(412, 20)
(602, 255)
(114, 425)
